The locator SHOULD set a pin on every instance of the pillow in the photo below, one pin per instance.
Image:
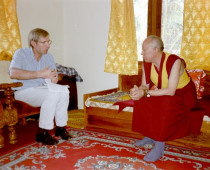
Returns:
(68, 71)
(4, 75)
(198, 77)
(113, 97)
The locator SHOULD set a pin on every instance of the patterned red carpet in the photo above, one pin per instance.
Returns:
(91, 150)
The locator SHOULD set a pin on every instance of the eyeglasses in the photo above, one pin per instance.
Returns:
(45, 42)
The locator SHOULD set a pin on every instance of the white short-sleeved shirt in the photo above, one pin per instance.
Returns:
(24, 59)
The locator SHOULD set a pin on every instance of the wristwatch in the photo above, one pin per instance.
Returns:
(148, 94)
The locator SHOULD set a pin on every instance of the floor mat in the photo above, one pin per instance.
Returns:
(92, 150)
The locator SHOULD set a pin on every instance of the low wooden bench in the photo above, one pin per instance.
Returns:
(110, 121)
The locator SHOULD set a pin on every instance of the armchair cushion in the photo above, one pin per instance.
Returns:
(4, 66)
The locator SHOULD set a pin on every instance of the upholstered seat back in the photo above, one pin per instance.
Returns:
(4, 75)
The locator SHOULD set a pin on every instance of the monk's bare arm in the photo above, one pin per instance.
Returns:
(175, 74)
(144, 85)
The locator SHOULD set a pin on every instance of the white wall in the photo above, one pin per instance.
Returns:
(47, 14)
(79, 31)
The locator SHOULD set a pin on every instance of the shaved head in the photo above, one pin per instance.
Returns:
(155, 42)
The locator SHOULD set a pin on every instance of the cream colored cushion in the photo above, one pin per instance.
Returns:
(4, 75)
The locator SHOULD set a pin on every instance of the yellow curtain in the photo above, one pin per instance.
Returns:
(121, 56)
(195, 48)
(9, 29)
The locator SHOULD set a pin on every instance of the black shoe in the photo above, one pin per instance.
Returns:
(46, 139)
(62, 132)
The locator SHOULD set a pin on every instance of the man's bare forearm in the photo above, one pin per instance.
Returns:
(24, 74)
(19, 74)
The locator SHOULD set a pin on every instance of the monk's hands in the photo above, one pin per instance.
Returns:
(136, 93)
(49, 74)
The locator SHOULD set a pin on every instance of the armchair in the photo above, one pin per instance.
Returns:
(8, 112)
(13, 111)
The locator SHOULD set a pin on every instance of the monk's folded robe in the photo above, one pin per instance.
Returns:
(123, 104)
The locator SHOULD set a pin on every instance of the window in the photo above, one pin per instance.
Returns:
(141, 13)
(172, 25)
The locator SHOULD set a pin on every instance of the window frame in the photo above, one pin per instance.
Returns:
(154, 17)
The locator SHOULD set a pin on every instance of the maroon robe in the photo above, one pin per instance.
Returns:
(164, 118)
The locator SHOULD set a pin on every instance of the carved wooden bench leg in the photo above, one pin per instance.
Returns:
(11, 122)
(1, 139)
(2, 123)
(10, 115)
(12, 134)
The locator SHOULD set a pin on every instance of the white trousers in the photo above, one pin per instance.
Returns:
(53, 105)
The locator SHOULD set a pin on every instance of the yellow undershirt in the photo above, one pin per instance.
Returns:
(183, 80)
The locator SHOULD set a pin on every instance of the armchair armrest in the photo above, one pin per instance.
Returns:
(10, 85)
(8, 115)
(7, 92)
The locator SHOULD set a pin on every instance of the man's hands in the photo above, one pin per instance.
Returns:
(54, 80)
(49, 74)
(136, 93)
